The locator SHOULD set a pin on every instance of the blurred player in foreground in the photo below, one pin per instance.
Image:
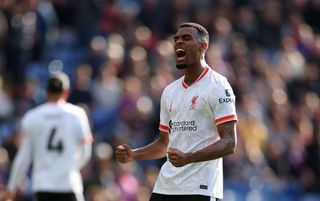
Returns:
(57, 142)
(197, 126)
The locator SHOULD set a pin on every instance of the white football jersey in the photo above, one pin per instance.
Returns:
(54, 134)
(190, 115)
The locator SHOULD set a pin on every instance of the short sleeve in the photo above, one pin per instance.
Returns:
(223, 103)
(85, 130)
(164, 115)
(25, 124)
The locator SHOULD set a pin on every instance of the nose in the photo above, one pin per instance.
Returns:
(178, 41)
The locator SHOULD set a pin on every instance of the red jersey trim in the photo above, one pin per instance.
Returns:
(185, 86)
(225, 119)
(164, 128)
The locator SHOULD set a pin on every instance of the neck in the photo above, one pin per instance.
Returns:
(193, 72)
(55, 99)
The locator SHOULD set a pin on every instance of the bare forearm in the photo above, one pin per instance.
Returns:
(154, 150)
(225, 146)
(219, 149)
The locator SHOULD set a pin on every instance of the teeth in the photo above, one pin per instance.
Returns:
(179, 50)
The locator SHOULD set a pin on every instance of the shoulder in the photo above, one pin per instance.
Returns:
(74, 109)
(33, 116)
(171, 87)
(34, 112)
(218, 85)
(217, 79)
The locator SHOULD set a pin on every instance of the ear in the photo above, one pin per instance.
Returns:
(66, 94)
(203, 46)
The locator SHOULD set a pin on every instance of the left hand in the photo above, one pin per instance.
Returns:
(178, 158)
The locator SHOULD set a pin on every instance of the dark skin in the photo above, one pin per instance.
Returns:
(188, 39)
(226, 145)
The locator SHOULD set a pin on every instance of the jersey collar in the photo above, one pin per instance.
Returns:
(185, 86)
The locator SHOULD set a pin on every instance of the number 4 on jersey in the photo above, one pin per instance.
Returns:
(58, 146)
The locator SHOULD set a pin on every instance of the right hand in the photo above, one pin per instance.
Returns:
(124, 153)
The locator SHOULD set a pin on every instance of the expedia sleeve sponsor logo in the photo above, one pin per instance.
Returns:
(176, 126)
(227, 92)
(226, 100)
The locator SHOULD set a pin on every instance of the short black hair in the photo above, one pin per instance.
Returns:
(57, 83)
(201, 30)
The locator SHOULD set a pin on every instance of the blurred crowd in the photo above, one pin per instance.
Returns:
(119, 56)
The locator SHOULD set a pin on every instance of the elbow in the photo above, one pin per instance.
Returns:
(231, 147)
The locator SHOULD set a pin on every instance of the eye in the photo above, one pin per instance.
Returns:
(187, 37)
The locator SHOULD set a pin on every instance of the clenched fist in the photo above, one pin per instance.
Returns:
(177, 158)
(124, 153)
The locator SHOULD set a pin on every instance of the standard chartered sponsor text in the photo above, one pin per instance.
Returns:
(183, 126)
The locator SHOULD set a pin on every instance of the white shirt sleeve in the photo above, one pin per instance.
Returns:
(20, 165)
(223, 103)
(85, 140)
(164, 117)
(85, 152)
(85, 134)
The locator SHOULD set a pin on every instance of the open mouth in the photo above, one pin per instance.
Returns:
(180, 54)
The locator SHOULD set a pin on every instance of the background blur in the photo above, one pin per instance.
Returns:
(119, 56)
